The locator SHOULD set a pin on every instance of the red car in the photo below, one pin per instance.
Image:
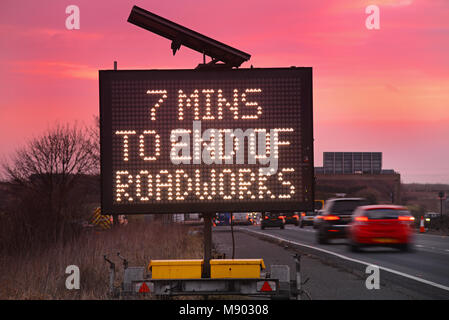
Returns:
(381, 225)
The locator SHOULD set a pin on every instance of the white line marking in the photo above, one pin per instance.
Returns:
(431, 249)
(440, 286)
(306, 230)
(288, 227)
(431, 235)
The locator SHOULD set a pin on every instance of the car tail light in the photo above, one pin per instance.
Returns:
(303, 214)
(361, 219)
(266, 218)
(281, 217)
(331, 218)
(406, 218)
(296, 216)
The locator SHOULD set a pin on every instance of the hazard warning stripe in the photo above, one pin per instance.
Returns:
(95, 217)
(106, 224)
(104, 221)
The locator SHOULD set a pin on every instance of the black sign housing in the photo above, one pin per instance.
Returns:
(164, 146)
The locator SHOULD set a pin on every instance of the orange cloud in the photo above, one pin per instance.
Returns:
(56, 69)
(359, 5)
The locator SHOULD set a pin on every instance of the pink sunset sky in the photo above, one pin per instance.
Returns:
(381, 90)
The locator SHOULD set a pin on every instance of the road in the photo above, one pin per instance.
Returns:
(425, 269)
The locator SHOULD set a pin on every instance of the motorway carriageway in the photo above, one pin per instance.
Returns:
(428, 263)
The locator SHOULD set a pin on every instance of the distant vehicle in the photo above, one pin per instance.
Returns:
(222, 219)
(241, 218)
(272, 220)
(318, 205)
(178, 217)
(255, 217)
(193, 217)
(430, 218)
(291, 218)
(307, 218)
(381, 225)
(336, 215)
(315, 215)
(317, 219)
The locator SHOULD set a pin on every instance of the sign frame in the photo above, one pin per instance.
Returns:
(306, 124)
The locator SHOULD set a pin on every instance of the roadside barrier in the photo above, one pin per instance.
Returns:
(421, 225)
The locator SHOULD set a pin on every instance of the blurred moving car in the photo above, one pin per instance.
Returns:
(291, 218)
(307, 218)
(272, 220)
(335, 217)
(242, 218)
(381, 225)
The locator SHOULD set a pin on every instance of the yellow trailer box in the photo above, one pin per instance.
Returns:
(236, 268)
(176, 269)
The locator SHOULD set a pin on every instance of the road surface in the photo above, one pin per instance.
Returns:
(422, 274)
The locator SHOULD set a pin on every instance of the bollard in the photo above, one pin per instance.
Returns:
(421, 225)
(298, 276)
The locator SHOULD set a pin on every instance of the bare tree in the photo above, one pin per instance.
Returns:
(53, 160)
(43, 177)
(94, 136)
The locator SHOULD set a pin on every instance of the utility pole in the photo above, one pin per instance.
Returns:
(207, 233)
(441, 196)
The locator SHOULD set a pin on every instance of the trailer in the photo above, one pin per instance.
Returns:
(158, 157)
(165, 279)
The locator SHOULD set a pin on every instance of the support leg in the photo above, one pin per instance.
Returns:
(207, 244)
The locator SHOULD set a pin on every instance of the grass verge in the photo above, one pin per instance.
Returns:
(41, 275)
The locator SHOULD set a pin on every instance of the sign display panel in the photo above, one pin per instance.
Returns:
(180, 141)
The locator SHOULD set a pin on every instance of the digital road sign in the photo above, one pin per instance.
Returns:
(182, 141)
